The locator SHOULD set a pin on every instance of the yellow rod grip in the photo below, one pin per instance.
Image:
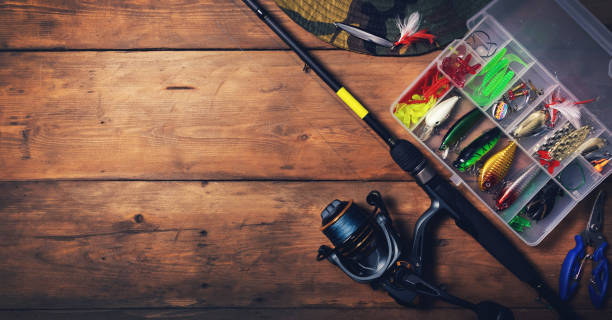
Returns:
(350, 101)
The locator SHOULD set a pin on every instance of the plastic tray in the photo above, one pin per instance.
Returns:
(565, 51)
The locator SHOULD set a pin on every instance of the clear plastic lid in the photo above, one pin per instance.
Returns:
(567, 40)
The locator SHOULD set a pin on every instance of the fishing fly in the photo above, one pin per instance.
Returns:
(496, 167)
(471, 154)
(436, 116)
(459, 130)
(408, 29)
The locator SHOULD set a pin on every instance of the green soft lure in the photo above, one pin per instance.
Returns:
(519, 224)
(477, 149)
(459, 130)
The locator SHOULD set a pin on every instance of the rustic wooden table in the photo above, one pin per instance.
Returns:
(170, 160)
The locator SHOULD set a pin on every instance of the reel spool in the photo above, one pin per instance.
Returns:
(367, 249)
(366, 245)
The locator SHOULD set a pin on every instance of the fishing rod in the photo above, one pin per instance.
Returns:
(445, 199)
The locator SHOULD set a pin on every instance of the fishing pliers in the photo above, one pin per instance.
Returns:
(574, 261)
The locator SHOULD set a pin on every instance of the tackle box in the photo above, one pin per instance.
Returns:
(565, 52)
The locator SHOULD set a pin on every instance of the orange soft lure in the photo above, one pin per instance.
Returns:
(496, 167)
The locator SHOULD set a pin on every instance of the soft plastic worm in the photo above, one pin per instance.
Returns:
(496, 167)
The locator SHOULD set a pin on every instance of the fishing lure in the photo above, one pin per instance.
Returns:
(556, 136)
(519, 224)
(496, 75)
(437, 115)
(569, 143)
(459, 130)
(566, 145)
(414, 105)
(411, 114)
(543, 202)
(591, 145)
(408, 30)
(457, 66)
(521, 95)
(567, 109)
(533, 124)
(514, 189)
(496, 167)
(599, 163)
(500, 110)
(477, 149)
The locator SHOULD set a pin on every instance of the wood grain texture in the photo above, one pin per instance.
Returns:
(270, 313)
(193, 115)
(225, 244)
(137, 24)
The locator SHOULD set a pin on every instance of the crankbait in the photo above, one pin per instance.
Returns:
(496, 167)
(437, 115)
(514, 189)
(477, 149)
(592, 145)
(533, 124)
(459, 130)
(543, 202)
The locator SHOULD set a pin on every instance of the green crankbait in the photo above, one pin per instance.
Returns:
(459, 130)
(477, 149)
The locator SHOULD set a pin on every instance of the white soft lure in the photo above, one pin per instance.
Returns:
(436, 116)
(408, 26)
(570, 111)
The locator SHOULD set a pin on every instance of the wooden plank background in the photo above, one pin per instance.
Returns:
(170, 159)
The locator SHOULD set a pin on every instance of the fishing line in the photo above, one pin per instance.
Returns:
(570, 183)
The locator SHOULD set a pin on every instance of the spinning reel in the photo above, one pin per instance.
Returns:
(368, 250)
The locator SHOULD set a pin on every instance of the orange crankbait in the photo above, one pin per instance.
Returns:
(496, 167)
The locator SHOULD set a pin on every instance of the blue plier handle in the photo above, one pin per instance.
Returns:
(599, 278)
(574, 261)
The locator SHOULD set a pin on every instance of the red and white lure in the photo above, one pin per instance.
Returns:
(570, 110)
(409, 32)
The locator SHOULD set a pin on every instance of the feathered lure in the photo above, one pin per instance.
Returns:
(570, 110)
(409, 32)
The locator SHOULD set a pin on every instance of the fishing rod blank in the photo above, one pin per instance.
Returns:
(445, 199)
